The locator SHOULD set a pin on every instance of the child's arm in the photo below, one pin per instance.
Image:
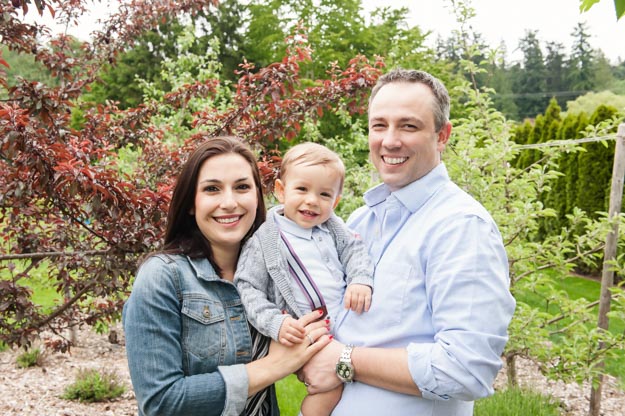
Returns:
(358, 297)
(252, 280)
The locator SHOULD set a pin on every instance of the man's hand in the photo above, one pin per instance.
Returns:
(320, 372)
(358, 298)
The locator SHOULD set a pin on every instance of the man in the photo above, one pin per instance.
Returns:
(432, 341)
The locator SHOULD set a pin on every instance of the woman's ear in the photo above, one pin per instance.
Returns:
(278, 190)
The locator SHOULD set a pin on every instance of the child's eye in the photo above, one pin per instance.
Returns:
(326, 195)
(301, 188)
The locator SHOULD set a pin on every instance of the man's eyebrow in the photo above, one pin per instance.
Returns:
(377, 118)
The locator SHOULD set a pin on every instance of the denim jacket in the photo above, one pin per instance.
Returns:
(187, 340)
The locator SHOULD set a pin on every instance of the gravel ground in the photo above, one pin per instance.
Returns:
(35, 391)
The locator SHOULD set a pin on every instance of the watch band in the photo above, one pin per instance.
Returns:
(346, 355)
(344, 367)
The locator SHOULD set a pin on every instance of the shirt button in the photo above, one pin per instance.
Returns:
(207, 312)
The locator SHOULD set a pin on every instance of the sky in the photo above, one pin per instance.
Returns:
(508, 21)
(496, 20)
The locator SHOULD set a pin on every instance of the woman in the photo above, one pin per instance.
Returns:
(190, 349)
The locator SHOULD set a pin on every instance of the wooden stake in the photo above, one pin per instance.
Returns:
(607, 276)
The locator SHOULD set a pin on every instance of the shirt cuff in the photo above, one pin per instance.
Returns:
(237, 383)
(420, 367)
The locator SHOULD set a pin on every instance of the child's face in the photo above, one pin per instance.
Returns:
(309, 194)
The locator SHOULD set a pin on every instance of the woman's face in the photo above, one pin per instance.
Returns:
(225, 201)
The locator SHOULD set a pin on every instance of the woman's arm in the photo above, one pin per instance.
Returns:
(152, 327)
(282, 361)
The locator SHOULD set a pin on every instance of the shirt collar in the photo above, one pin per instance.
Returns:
(413, 195)
(203, 268)
(286, 225)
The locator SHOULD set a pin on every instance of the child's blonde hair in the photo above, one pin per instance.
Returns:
(311, 154)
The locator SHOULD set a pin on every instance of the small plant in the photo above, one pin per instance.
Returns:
(517, 402)
(30, 358)
(94, 386)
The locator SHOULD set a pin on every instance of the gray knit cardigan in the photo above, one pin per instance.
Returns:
(263, 279)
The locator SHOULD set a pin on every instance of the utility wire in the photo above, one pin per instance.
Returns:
(555, 143)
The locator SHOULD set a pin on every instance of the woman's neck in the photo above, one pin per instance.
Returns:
(226, 259)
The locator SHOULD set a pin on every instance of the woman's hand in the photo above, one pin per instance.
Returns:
(282, 360)
(295, 356)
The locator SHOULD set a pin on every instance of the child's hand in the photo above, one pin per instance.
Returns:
(358, 298)
(291, 332)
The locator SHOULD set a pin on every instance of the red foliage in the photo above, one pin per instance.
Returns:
(63, 199)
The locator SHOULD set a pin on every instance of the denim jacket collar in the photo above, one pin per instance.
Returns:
(203, 269)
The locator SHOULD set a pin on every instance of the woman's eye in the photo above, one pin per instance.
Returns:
(210, 188)
(244, 186)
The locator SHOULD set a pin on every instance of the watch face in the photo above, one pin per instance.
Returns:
(345, 371)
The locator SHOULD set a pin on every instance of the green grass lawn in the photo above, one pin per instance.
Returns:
(290, 393)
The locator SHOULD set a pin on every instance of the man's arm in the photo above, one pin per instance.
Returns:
(380, 367)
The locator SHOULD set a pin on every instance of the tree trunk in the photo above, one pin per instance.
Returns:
(511, 367)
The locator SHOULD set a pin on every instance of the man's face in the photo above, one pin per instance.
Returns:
(403, 142)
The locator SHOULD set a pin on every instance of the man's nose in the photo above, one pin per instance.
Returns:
(391, 139)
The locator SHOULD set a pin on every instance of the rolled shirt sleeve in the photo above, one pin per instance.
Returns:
(467, 291)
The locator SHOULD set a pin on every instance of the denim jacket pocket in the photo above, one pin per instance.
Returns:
(203, 326)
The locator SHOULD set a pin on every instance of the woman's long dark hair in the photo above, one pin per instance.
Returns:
(183, 235)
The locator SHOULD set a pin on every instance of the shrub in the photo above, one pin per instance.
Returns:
(94, 386)
(30, 358)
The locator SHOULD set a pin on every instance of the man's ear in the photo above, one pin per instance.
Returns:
(338, 198)
(278, 190)
(443, 137)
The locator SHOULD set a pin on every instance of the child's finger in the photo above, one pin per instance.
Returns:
(367, 303)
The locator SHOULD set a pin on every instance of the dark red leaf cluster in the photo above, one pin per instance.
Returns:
(65, 205)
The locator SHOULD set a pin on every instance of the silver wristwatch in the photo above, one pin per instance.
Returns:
(344, 368)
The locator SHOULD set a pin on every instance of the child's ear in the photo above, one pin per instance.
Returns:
(278, 190)
(338, 198)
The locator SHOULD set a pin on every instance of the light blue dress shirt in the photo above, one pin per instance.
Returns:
(441, 290)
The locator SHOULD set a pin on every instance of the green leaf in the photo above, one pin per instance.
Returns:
(585, 5)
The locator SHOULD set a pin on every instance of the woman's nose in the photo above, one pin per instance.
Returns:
(228, 200)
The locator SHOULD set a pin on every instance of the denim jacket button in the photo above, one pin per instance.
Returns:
(207, 312)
